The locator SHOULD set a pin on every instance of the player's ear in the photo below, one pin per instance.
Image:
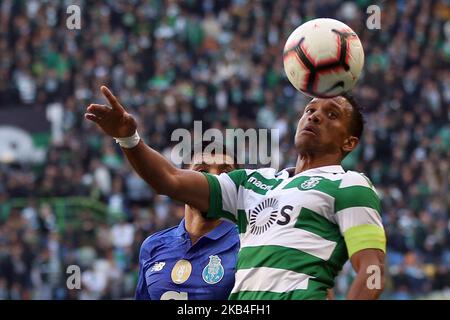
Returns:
(350, 144)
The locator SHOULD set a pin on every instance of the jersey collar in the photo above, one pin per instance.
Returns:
(221, 230)
(214, 234)
(326, 169)
(181, 230)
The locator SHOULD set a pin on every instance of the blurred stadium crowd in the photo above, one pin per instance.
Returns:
(221, 62)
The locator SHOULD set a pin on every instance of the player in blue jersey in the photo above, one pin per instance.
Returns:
(197, 258)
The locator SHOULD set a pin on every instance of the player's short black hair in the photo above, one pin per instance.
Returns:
(357, 121)
(217, 145)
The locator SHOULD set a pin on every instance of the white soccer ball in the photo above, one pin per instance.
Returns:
(323, 58)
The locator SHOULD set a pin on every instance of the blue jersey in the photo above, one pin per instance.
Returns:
(172, 268)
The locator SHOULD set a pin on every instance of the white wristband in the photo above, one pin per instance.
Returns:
(129, 142)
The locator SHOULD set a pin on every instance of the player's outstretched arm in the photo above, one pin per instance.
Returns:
(187, 186)
(369, 281)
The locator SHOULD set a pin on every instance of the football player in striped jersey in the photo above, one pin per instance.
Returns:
(297, 226)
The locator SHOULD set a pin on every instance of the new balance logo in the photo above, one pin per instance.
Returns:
(259, 184)
(157, 266)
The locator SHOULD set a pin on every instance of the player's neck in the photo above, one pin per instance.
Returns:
(197, 226)
(307, 161)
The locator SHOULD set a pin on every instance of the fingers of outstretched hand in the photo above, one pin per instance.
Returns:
(115, 104)
(98, 110)
(91, 117)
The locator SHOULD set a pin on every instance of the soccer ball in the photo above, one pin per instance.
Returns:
(323, 58)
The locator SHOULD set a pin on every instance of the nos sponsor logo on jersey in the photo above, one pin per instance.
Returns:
(264, 215)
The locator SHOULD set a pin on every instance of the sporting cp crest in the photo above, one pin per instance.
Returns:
(310, 183)
(214, 271)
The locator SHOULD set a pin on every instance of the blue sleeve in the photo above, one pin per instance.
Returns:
(141, 288)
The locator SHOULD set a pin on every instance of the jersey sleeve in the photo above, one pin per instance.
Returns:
(141, 288)
(358, 210)
(223, 194)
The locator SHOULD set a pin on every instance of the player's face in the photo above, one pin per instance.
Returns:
(212, 163)
(324, 126)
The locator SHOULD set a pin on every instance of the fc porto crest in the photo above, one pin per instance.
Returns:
(214, 271)
(310, 183)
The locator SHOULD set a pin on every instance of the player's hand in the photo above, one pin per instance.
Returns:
(113, 120)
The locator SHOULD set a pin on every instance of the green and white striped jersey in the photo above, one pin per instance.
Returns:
(296, 231)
